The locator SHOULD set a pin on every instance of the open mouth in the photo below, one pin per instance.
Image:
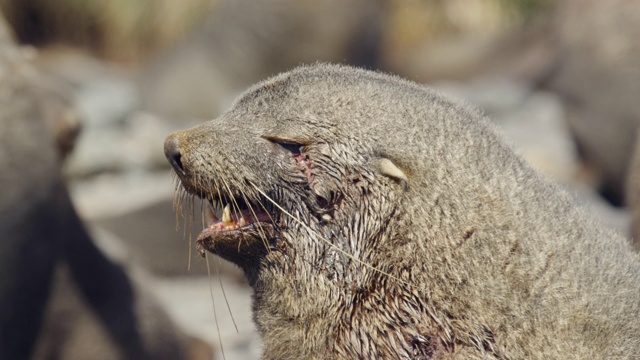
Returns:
(232, 223)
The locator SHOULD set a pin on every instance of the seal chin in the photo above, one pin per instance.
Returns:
(238, 236)
(238, 245)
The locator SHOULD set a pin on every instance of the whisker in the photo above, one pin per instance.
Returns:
(224, 294)
(180, 198)
(233, 200)
(236, 206)
(327, 241)
(213, 303)
(263, 235)
(177, 196)
(183, 212)
(191, 222)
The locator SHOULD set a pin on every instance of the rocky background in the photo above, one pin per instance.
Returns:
(557, 77)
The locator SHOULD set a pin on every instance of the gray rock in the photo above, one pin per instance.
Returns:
(189, 301)
(599, 79)
(245, 41)
(532, 121)
(116, 194)
(131, 144)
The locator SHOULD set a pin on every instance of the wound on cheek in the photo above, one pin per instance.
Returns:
(305, 166)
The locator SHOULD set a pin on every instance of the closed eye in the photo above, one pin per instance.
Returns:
(288, 145)
(294, 148)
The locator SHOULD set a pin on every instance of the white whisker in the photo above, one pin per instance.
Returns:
(327, 241)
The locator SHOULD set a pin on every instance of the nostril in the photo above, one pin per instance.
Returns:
(172, 152)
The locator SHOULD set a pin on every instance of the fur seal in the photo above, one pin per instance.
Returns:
(60, 296)
(376, 218)
(31, 190)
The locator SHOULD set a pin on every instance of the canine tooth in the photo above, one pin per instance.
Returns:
(226, 215)
(327, 217)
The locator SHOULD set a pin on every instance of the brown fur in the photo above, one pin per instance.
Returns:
(404, 228)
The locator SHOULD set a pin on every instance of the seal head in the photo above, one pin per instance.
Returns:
(376, 218)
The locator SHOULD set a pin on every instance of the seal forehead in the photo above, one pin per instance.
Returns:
(321, 78)
(336, 104)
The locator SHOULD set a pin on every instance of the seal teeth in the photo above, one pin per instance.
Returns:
(226, 215)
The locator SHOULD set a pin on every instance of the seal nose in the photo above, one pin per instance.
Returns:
(172, 152)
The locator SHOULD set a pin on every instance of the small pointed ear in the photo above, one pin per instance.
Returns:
(388, 168)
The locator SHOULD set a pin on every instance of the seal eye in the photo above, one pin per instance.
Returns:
(291, 146)
(294, 148)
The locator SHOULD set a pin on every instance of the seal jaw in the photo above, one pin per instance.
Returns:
(240, 246)
(240, 224)
(237, 236)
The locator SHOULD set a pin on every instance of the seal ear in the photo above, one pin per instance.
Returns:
(388, 168)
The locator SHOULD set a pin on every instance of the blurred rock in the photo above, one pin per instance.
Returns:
(115, 137)
(124, 30)
(633, 195)
(599, 79)
(245, 41)
(103, 101)
(541, 136)
(191, 304)
(429, 41)
(137, 210)
(130, 144)
(161, 241)
(532, 121)
(72, 329)
(495, 95)
(116, 194)
(614, 217)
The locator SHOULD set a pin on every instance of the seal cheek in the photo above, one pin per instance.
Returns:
(304, 165)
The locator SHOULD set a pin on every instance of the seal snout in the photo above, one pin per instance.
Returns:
(172, 152)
